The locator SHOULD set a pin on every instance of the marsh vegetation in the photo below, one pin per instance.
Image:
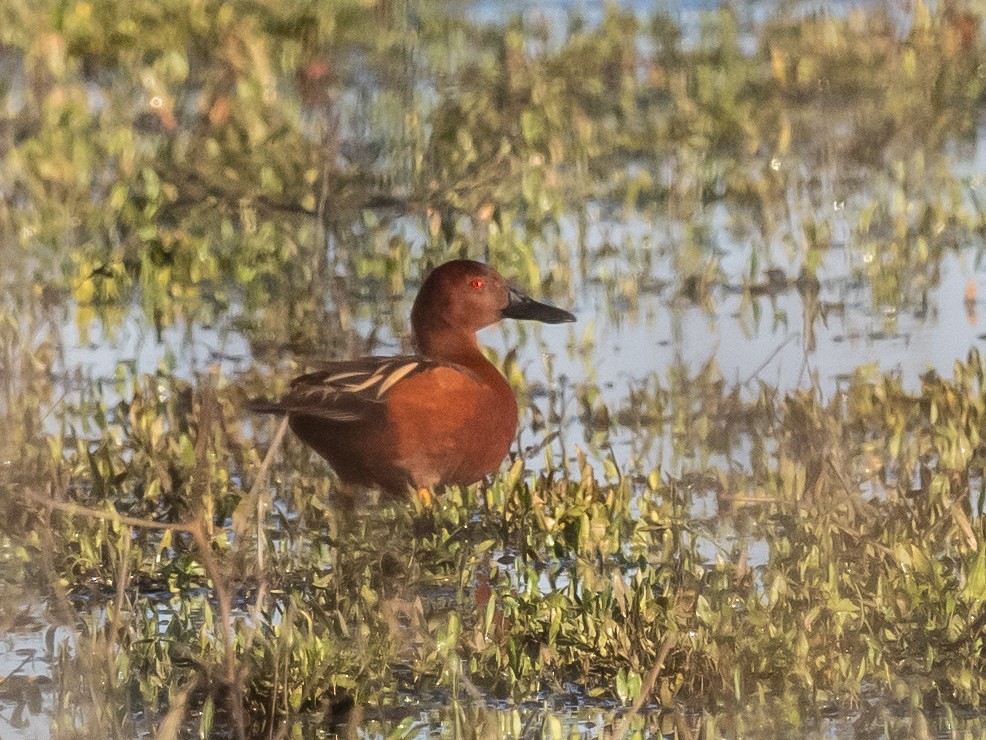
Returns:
(747, 495)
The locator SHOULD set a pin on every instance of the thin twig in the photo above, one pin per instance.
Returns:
(860, 507)
(257, 502)
(121, 593)
(173, 722)
(770, 358)
(681, 725)
(963, 521)
(202, 534)
(253, 501)
(224, 600)
(646, 688)
(111, 516)
(258, 483)
(474, 693)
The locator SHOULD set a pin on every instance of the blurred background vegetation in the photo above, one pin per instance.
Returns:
(198, 197)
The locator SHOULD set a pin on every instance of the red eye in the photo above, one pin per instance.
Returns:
(477, 283)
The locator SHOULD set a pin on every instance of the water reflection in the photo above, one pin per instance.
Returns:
(751, 340)
(740, 204)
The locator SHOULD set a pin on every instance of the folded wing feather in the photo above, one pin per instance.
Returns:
(350, 390)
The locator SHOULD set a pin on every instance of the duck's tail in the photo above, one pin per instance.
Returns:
(264, 406)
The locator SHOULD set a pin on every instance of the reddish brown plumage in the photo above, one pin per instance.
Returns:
(444, 416)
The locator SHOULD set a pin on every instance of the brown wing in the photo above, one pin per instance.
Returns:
(347, 391)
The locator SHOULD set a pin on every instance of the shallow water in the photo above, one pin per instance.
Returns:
(663, 289)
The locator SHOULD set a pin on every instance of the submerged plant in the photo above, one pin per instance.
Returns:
(224, 190)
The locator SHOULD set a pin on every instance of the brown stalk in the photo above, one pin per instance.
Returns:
(623, 727)
(202, 535)
(121, 594)
(70, 507)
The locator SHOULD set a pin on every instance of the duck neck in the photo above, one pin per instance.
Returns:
(451, 345)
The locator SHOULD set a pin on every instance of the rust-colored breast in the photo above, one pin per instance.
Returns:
(448, 425)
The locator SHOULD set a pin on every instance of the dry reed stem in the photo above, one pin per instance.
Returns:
(646, 688)
(202, 534)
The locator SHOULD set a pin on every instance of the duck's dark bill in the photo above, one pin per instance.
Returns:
(524, 307)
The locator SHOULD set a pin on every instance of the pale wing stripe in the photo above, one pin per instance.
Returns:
(316, 394)
(394, 377)
(343, 416)
(373, 380)
(339, 376)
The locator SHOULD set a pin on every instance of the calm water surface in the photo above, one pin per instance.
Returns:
(633, 326)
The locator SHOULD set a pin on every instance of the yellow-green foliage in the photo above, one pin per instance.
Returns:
(284, 172)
